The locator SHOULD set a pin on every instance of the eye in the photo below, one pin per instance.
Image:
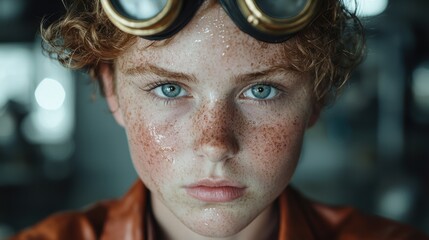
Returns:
(261, 91)
(169, 90)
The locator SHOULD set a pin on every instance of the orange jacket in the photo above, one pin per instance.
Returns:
(300, 219)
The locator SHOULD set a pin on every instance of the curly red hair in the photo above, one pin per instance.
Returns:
(329, 48)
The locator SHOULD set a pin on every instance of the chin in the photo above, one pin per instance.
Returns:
(216, 231)
(219, 224)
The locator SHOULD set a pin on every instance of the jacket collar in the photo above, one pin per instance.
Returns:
(294, 222)
(125, 219)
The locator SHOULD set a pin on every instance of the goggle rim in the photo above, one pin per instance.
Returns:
(157, 24)
(276, 26)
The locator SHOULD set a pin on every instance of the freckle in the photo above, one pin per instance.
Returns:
(295, 121)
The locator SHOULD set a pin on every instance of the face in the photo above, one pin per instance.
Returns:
(214, 120)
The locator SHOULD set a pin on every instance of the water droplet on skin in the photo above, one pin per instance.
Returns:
(158, 137)
(198, 41)
(209, 209)
(171, 160)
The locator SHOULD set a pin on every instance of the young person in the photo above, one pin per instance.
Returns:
(215, 98)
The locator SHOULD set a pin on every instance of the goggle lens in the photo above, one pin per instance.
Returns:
(282, 9)
(139, 9)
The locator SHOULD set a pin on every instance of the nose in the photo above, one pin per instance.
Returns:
(215, 136)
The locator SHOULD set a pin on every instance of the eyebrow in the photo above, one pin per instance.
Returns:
(272, 71)
(239, 79)
(159, 71)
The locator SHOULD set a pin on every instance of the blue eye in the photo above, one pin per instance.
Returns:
(169, 90)
(261, 91)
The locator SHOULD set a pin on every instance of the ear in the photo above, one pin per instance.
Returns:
(108, 78)
(315, 114)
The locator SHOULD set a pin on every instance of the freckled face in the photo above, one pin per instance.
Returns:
(213, 104)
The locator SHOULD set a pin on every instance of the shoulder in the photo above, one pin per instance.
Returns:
(68, 225)
(349, 223)
(346, 223)
(114, 219)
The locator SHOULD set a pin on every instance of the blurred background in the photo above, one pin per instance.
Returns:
(61, 149)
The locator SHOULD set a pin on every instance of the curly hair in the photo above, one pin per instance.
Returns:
(329, 48)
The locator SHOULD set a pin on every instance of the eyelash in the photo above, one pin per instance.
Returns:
(151, 86)
(281, 91)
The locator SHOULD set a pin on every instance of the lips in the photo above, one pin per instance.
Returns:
(215, 190)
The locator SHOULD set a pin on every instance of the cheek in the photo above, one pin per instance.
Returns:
(275, 149)
(152, 146)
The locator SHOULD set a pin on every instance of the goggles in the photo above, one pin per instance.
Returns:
(266, 20)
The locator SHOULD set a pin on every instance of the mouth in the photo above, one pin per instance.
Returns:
(215, 190)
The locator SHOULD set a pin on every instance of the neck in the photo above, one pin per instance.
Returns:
(168, 227)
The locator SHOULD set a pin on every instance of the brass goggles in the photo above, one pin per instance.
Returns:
(266, 20)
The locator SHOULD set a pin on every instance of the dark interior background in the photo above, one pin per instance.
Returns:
(370, 149)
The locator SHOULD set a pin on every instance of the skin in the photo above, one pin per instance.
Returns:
(215, 129)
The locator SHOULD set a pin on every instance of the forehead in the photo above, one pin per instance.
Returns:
(210, 39)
